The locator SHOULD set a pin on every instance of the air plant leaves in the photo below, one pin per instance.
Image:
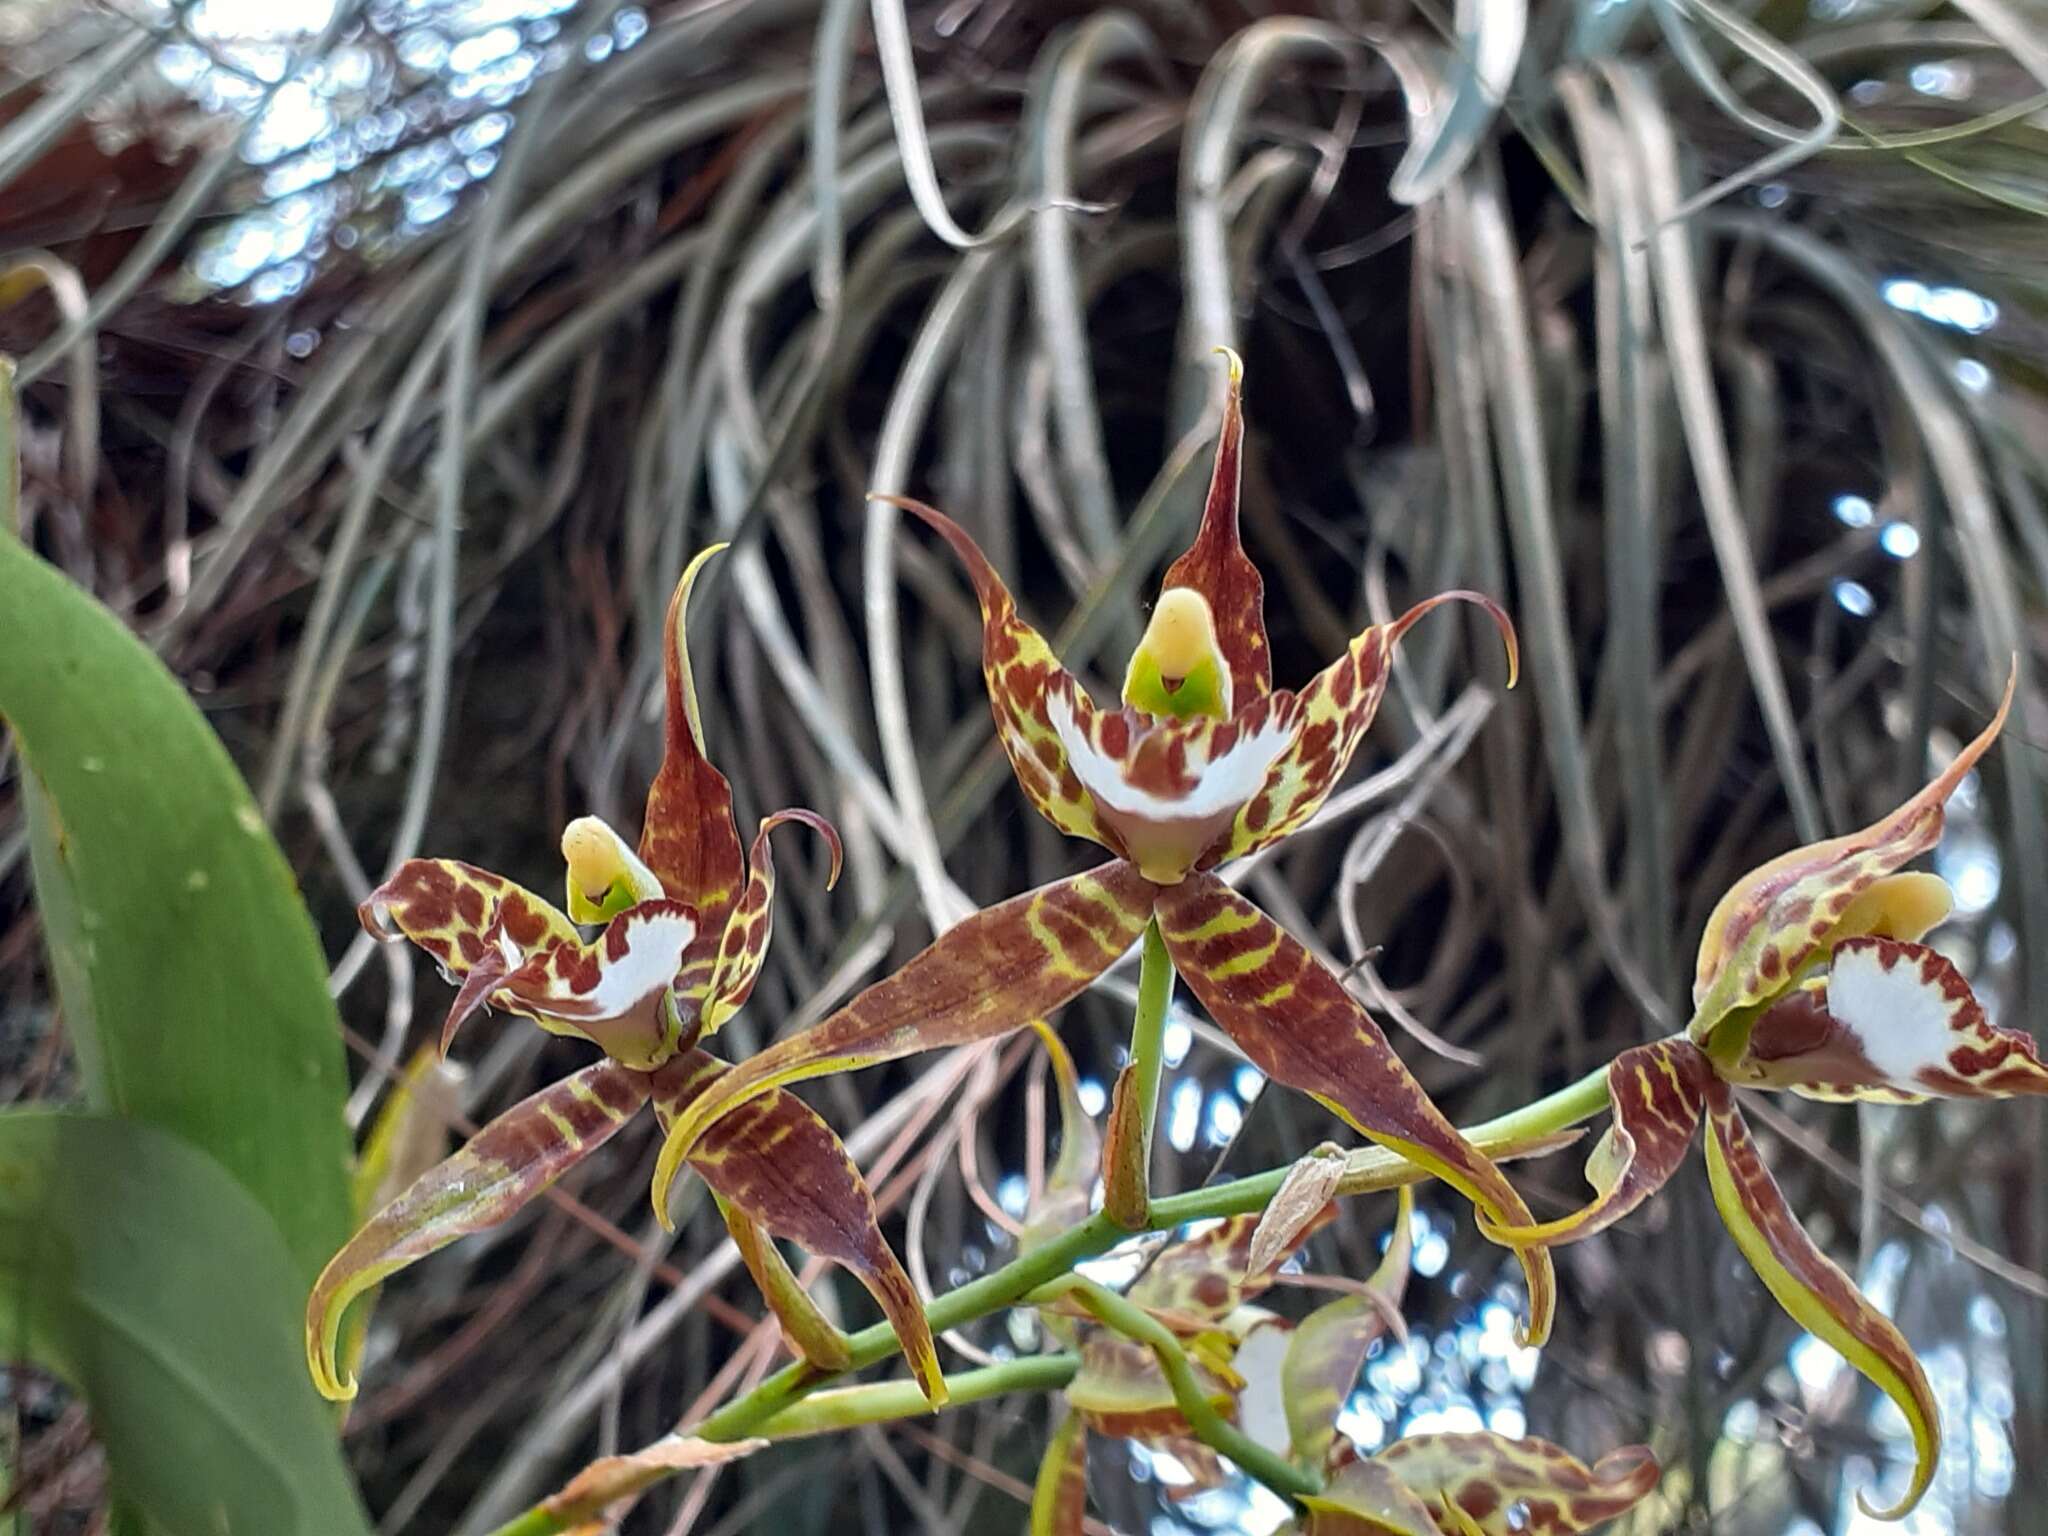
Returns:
(1657, 1092)
(497, 1172)
(1303, 1195)
(1216, 565)
(1529, 1487)
(747, 930)
(1020, 670)
(688, 837)
(773, 1160)
(604, 1490)
(1298, 1025)
(1328, 1349)
(993, 973)
(1811, 1287)
(1059, 1494)
(1892, 1021)
(1775, 919)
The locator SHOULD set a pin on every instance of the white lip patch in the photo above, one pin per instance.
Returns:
(655, 943)
(1221, 785)
(1903, 1022)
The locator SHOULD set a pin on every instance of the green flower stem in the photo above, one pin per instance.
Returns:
(1148, 1060)
(1368, 1168)
(1210, 1427)
(877, 1402)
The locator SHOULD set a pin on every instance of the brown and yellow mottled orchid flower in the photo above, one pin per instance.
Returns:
(685, 928)
(1477, 1484)
(1204, 762)
(1812, 979)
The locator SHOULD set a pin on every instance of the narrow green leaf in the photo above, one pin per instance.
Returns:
(178, 1321)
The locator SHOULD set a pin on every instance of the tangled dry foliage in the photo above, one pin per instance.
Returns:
(408, 535)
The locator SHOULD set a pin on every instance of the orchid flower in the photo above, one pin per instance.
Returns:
(685, 927)
(1205, 762)
(1812, 979)
(1284, 1385)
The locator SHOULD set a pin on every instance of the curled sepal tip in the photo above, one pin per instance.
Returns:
(1812, 1288)
(501, 1168)
(1656, 1092)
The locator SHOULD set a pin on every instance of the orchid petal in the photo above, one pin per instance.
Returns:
(1330, 718)
(1167, 791)
(994, 972)
(1298, 1025)
(745, 946)
(1196, 1283)
(1328, 1350)
(810, 1334)
(688, 838)
(613, 991)
(1657, 1092)
(1059, 1495)
(1776, 918)
(1364, 1498)
(773, 1160)
(1120, 1390)
(1216, 566)
(1894, 1022)
(1524, 1487)
(1021, 672)
(1812, 1288)
(449, 908)
(499, 1170)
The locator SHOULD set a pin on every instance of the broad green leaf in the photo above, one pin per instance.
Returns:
(192, 984)
(135, 1267)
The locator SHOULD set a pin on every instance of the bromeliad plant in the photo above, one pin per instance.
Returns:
(1812, 978)
(686, 924)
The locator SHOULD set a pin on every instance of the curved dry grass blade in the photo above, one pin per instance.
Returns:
(1484, 57)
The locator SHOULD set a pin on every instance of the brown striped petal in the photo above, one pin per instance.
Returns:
(688, 837)
(449, 909)
(1022, 672)
(747, 931)
(1504, 1487)
(1059, 1495)
(992, 973)
(773, 1160)
(1657, 1092)
(1197, 1282)
(1326, 1353)
(1216, 565)
(1812, 1288)
(1330, 717)
(1894, 1022)
(500, 1169)
(809, 1333)
(1776, 918)
(1298, 1025)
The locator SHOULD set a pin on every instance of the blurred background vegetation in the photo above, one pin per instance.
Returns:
(382, 360)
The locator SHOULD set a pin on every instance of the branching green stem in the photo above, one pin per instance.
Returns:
(877, 1402)
(1210, 1427)
(766, 1410)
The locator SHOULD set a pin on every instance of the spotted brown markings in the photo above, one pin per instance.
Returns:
(784, 1168)
(1657, 1092)
(1529, 1487)
(1197, 1282)
(499, 1170)
(688, 838)
(1810, 1286)
(1298, 1025)
(1216, 565)
(740, 954)
(1788, 906)
(448, 907)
